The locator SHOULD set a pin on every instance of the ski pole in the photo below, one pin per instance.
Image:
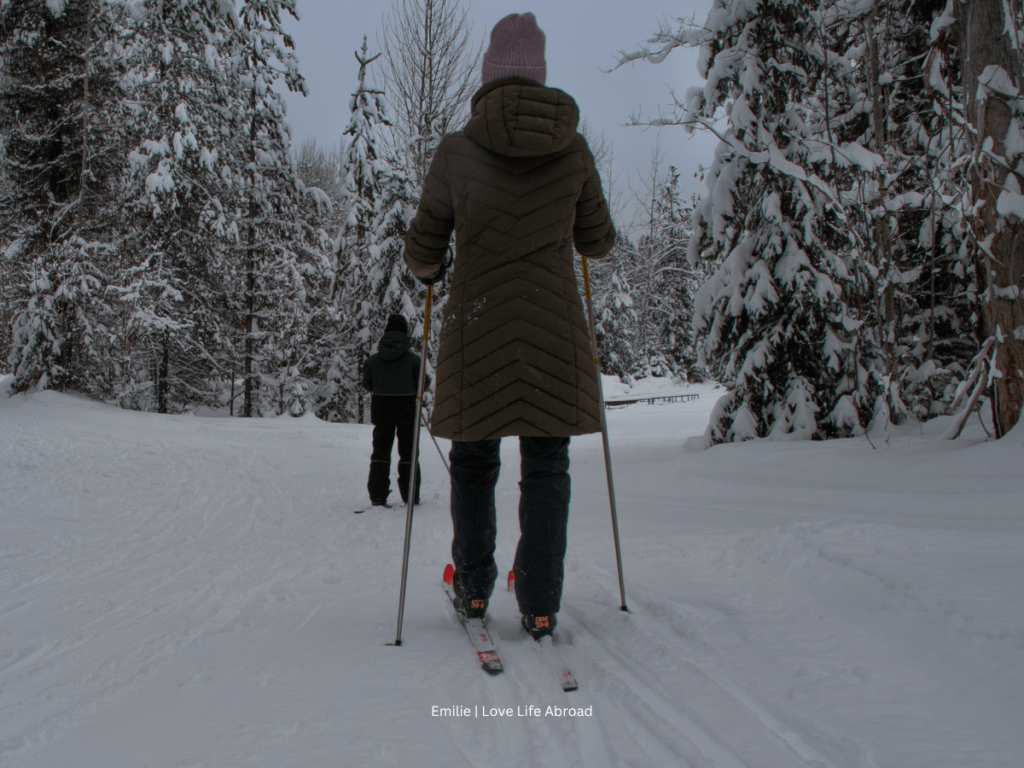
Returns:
(415, 459)
(439, 451)
(604, 435)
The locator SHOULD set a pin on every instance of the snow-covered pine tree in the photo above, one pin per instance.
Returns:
(394, 288)
(58, 101)
(885, 129)
(9, 278)
(181, 225)
(661, 279)
(361, 162)
(771, 322)
(680, 279)
(279, 246)
(356, 252)
(911, 287)
(319, 166)
(939, 332)
(616, 321)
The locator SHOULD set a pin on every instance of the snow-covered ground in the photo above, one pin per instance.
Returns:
(184, 591)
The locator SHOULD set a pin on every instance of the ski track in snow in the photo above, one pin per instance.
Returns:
(181, 591)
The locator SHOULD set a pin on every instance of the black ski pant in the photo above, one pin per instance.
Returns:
(543, 517)
(379, 484)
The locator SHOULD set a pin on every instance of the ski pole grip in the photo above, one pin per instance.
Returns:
(426, 319)
(426, 334)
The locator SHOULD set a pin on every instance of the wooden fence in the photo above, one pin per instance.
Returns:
(663, 398)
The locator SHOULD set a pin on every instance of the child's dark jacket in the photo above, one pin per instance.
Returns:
(392, 375)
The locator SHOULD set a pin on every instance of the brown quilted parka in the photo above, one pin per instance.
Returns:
(519, 187)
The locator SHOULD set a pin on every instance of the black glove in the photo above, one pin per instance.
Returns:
(438, 277)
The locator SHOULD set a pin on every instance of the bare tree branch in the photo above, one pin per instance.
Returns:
(430, 72)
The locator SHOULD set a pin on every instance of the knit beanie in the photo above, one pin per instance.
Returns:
(397, 323)
(517, 48)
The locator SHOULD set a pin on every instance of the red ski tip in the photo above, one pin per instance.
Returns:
(511, 580)
(449, 574)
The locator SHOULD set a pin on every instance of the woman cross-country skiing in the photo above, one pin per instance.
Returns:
(519, 187)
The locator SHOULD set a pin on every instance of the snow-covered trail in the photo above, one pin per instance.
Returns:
(181, 591)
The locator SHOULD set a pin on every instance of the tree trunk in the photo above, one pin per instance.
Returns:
(984, 44)
(86, 113)
(250, 289)
(163, 372)
(882, 233)
(250, 273)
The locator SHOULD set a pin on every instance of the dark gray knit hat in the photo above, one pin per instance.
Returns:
(397, 323)
(517, 48)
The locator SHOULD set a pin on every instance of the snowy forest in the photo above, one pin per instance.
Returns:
(855, 259)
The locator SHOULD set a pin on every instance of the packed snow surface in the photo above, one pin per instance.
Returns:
(185, 591)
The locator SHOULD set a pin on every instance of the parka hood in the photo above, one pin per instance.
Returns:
(519, 117)
(393, 345)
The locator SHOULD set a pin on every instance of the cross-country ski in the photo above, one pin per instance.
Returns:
(361, 510)
(484, 648)
(554, 660)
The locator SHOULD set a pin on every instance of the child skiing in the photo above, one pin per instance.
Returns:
(392, 375)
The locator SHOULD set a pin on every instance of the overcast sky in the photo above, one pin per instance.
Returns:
(583, 39)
